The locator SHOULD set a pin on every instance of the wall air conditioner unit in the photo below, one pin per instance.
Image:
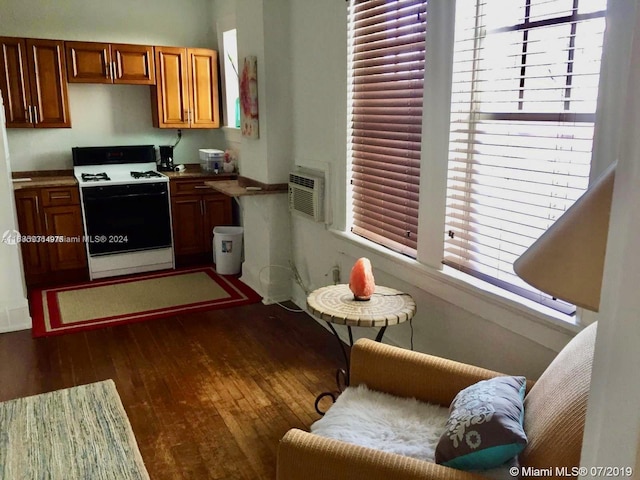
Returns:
(306, 195)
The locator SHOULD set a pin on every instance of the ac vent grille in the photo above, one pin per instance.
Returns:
(302, 181)
(306, 195)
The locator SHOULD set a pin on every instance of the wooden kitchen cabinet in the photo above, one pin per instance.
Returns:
(186, 91)
(33, 80)
(65, 221)
(188, 224)
(31, 223)
(92, 62)
(196, 209)
(51, 212)
(48, 80)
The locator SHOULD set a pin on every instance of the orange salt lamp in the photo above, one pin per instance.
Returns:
(361, 281)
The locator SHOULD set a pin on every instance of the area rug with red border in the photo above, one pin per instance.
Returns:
(116, 301)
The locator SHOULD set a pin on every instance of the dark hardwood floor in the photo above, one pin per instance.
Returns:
(208, 395)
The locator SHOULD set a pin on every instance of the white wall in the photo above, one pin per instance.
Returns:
(262, 27)
(614, 396)
(107, 114)
(14, 310)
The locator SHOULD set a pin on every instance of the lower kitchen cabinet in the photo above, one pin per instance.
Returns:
(196, 209)
(65, 222)
(52, 219)
(188, 224)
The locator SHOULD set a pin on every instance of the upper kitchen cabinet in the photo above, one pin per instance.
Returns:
(91, 62)
(186, 91)
(33, 80)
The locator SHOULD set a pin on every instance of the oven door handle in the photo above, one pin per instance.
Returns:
(128, 195)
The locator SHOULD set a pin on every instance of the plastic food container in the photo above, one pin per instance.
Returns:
(211, 160)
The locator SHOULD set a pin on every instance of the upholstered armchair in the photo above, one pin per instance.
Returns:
(554, 414)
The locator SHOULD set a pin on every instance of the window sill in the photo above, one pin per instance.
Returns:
(528, 319)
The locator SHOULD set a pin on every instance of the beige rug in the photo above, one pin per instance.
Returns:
(143, 297)
(116, 299)
(80, 433)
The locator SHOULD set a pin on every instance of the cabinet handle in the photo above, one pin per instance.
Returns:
(46, 223)
(114, 70)
(202, 186)
(60, 197)
(27, 114)
(107, 69)
(35, 114)
(37, 207)
(201, 208)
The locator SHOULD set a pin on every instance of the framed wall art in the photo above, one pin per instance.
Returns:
(249, 98)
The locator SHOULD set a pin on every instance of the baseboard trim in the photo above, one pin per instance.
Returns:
(13, 319)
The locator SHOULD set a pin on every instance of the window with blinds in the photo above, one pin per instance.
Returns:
(525, 82)
(386, 76)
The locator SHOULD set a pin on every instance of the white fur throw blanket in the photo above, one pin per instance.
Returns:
(381, 421)
(378, 420)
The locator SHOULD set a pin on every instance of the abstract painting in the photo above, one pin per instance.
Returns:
(249, 98)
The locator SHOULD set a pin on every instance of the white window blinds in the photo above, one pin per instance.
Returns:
(525, 81)
(386, 75)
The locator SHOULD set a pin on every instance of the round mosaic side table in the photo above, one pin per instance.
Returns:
(336, 304)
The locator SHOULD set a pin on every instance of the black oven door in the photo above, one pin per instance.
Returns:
(125, 218)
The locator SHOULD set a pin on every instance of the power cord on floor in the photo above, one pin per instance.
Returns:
(289, 309)
(296, 276)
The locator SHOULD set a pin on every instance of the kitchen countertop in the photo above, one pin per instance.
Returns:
(194, 171)
(65, 178)
(43, 178)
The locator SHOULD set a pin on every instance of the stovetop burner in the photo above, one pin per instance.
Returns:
(147, 174)
(95, 177)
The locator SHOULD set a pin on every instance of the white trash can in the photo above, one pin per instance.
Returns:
(227, 249)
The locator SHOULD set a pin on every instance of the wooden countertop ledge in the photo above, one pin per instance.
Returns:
(245, 186)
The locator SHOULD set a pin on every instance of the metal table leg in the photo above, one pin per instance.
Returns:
(341, 373)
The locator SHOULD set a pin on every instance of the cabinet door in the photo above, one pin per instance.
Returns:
(203, 88)
(217, 211)
(34, 255)
(14, 82)
(171, 102)
(48, 78)
(65, 221)
(187, 214)
(88, 62)
(133, 64)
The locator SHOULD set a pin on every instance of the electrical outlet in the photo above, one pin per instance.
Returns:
(336, 274)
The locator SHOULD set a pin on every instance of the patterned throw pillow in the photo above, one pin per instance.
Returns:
(484, 429)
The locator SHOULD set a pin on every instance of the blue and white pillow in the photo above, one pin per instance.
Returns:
(484, 429)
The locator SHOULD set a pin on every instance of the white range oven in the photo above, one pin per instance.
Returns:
(126, 210)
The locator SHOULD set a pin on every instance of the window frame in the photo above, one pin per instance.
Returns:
(225, 24)
(468, 252)
(427, 271)
(379, 209)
